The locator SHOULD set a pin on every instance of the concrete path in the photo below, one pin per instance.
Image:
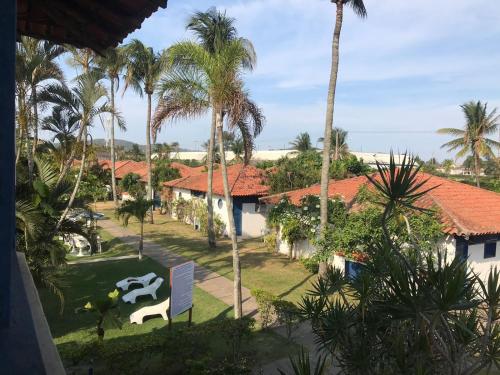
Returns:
(89, 259)
(211, 282)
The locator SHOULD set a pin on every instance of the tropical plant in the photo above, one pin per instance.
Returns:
(135, 153)
(86, 101)
(35, 66)
(200, 79)
(112, 63)
(131, 183)
(137, 208)
(359, 9)
(144, 69)
(473, 138)
(447, 165)
(162, 172)
(107, 312)
(185, 96)
(339, 140)
(302, 142)
(301, 365)
(295, 173)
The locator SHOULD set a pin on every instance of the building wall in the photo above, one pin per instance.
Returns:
(480, 264)
(301, 249)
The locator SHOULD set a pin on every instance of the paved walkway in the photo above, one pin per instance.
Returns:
(89, 259)
(211, 282)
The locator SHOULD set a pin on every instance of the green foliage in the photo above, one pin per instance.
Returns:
(348, 166)
(137, 208)
(270, 240)
(302, 364)
(106, 310)
(302, 142)
(287, 314)
(93, 185)
(265, 164)
(296, 173)
(195, 211)
(265, 302)
(311, 264)
(131, 183)
(163, 171)
(234, 332)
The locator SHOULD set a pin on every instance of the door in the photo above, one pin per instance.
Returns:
(237, 213)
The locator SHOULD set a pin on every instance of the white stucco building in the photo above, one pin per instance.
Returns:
(246, 187)
(470, 218)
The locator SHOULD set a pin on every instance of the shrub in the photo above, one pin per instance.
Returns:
(311, 264)
(266, 309)
(287, 314)
(271, 240)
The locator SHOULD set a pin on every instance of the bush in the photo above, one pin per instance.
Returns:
(270, 240)
(266, 309)
(311, 264)
(287, 314)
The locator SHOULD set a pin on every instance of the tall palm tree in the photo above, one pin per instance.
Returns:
(197, 81)
(86, 101)
(37, 61)
(302, 142)
(137, 208)
(143, 71)
(358, 8)
(213, 29)
(339, 139)
(112, 64)
(473, 138)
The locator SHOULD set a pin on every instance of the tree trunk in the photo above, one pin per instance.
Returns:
(210, 166)
(29, 155)
(141, 240)
(35, 120)
(329, 119)
(477, 168)
(78, 180)
(113, 157)
(148, 157)
(232, 227)
(71, 158)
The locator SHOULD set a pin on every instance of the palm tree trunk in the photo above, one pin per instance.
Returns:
(477, 168)
(141, 240)
(148, 157)
(78, 180)
(69, 162)
(29, 155)
(329, 124)
(35, 120)
(210, 165)
(232, 227)
(113, 157)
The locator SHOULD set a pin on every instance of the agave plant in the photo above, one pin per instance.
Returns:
(301, 365)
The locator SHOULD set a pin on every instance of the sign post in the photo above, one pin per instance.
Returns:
(181, 291)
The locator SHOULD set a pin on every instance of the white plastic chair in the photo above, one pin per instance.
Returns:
(160, 308)
(150, 289)
(144, 280)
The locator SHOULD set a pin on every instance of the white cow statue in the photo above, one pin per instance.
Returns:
(150, 289)
(158, 309)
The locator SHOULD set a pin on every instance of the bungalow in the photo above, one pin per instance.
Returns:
(470, 218)
(247, 185)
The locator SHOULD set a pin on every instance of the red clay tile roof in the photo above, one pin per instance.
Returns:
(243, 181)
(123, 167)
(464, 209)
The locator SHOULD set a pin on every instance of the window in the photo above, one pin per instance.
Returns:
(180, 194)
(219, 204)
(352, 269)
(490, 250)
(462, 249)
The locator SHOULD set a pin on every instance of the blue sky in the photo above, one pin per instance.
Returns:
(404, 70)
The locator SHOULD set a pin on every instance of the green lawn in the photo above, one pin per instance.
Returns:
(84, 282)
(111, 247)
(260, 268)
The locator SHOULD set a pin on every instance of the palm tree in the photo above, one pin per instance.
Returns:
(238, 148)
(358, 8)
(137, 208)
(63, 123)
(35, 59)
(200, 80)
(144, 69)
(112, 63)
(473, 138)
(447, 165)
(213, 29)
(86, 101)
(302, 142)
(339, 139)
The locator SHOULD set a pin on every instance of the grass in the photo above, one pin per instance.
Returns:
(111, 247)
(274, 273)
